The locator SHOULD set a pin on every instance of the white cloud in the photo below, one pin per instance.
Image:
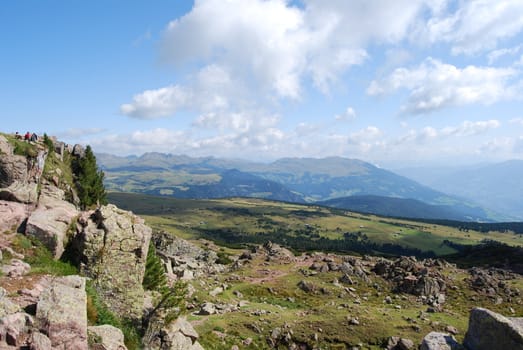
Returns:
(468, 128)
(435, 85)
(496, 54)
(473, 26)
(348, 114)
(79, 132)
(516, 121)
(157, 103)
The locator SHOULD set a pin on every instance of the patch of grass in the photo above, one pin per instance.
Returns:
(99, 314)
(40, 258)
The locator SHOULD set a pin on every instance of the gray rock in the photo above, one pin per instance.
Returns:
(110, 337)
(179, 335)
(439, 341)
(51, 221)
(12, 215)
(405, 344)
(7, 307)
(112, 246)
(207, 309)
(61, 313)
(78, 151)
(16, 268)
(23, 192)
(489, 330)
(13, 327)
(183, 326)
(39, 341)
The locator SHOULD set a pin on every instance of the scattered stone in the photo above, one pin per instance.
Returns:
(354, 321)
(439, 341)
(307, 287)
(452, 330)
(207, 309)
(216, 291)
(16, 268)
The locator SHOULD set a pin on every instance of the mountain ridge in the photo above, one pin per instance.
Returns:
(298, 180)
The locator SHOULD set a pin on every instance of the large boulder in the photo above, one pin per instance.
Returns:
(51, 220)
(12, 215)
(489, 330)
(106, 337)
(61, 313)
(112, 248)
(440, 341)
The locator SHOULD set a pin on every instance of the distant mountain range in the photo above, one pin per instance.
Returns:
(498, 186)
(340, 182)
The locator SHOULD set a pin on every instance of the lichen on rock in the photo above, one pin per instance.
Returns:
(112, 249)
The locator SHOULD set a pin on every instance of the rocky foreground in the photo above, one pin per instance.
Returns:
(264, 297)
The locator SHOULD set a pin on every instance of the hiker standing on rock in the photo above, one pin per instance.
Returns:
(27, 136)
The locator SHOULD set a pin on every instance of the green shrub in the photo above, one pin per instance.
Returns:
(99, 314)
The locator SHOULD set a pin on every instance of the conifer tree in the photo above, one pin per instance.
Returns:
(90, 185)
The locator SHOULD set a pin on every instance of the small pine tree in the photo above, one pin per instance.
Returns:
(154, 276)
(170, 297)
(91, 190)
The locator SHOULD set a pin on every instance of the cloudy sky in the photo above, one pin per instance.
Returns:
(397, 82)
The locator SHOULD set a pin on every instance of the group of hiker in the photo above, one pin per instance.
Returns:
(33, 137)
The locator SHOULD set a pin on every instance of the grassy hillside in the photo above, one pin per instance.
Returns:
(239, 221)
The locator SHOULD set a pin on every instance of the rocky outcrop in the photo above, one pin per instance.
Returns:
(179, 335)
(61, 313)
(19, 175)
(184, 260)
(493, 282)
(106, 337)
(112, 247)
(51, 220)
(421, 278)
(489, 330)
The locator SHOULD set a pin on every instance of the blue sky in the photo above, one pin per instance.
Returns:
(395, 83)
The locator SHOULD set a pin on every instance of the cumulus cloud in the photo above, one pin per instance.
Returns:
(156, 103)
(473, 26)
(435, 85)
(348, 114)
